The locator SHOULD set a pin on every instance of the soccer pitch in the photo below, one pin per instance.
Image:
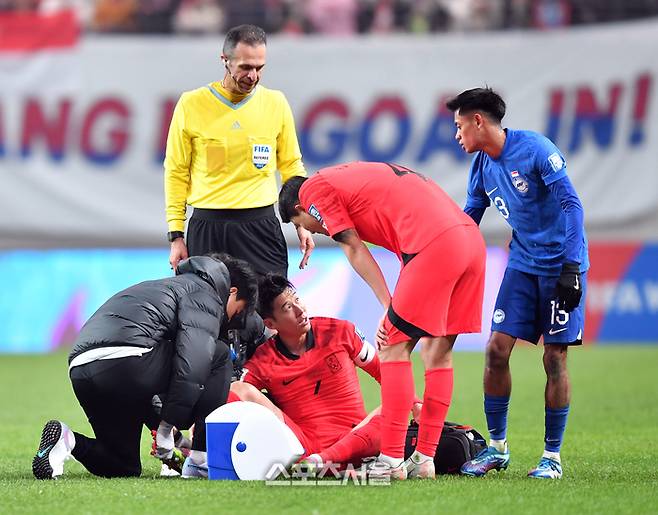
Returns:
(610, 456)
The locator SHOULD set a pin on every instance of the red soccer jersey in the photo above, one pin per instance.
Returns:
(388, 205)
(320, 390)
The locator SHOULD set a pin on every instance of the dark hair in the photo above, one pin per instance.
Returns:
(242, 277)
(270, 287)
(251, 35)
(485, 100)
(289, 197)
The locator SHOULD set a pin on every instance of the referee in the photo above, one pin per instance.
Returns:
(226, 141)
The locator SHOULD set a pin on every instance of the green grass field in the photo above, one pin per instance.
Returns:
(610, 455)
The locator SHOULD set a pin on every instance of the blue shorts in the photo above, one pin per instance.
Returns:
(526, 309)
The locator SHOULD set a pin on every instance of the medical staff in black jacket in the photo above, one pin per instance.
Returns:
(160, 338)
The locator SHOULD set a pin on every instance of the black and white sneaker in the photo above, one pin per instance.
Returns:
(57, 442)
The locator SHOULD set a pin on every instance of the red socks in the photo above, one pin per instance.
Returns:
(356, 445)
(436, 401)
(397, 399)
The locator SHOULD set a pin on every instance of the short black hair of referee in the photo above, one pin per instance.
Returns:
(251, 35)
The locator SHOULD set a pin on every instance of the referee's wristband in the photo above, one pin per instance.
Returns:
(174, 235)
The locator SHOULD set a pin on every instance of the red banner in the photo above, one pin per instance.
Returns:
(28, 32)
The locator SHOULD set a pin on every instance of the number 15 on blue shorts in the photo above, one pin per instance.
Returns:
(527, 308)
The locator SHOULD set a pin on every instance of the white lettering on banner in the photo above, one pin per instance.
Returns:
(651, 294)
(625, 297)
(628, 298)
(600, 295)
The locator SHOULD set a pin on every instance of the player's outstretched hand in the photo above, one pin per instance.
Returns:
(178, 252)
(306, 245)
(569, 288)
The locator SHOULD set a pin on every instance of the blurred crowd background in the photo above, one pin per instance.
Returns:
(337, 17)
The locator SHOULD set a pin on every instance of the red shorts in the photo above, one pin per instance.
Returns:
(309, 444)
(440, 290)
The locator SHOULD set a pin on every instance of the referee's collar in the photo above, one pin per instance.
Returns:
(228, 102)
(280, 346)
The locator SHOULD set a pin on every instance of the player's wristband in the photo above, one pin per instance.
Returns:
(174, 235)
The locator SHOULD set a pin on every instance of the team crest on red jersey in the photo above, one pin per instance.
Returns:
(333, 363)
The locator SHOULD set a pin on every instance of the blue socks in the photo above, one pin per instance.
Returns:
(495, 408)
(555, 421)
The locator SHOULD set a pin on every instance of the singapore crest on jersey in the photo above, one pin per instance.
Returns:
(519, 182)
(499, 316)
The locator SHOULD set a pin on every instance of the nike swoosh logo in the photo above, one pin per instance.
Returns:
(577, 285)
(286, 382)
(490, 192)
(552, 332)
(43, 452)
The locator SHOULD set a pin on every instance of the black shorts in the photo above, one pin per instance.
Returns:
(251, 234)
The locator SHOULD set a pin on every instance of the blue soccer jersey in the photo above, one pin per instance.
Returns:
(517, 183)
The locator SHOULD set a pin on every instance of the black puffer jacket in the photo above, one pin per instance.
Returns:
(185, 311)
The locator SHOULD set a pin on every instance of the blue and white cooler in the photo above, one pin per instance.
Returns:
(246, 441)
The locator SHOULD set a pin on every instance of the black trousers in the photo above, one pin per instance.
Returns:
(251, 234)
(116, 395)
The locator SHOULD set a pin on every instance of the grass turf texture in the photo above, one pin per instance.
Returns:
(609, 455)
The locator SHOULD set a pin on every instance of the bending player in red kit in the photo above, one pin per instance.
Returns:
(438, 294)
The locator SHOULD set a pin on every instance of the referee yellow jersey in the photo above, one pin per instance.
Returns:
(224, 155)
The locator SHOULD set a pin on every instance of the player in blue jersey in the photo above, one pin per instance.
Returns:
(524, 175)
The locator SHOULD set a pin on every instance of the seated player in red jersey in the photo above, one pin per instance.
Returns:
(308, 370)
(438, 294)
